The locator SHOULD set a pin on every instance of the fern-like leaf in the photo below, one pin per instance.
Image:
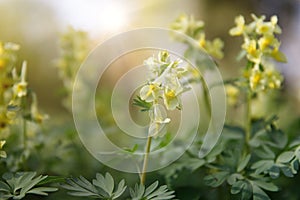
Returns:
(102, 187)
(18, 185)
(151, 193)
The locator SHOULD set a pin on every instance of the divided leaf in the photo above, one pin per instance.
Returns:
(18, 185)
(101, 187)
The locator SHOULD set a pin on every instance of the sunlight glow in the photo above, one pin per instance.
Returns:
(112, 18)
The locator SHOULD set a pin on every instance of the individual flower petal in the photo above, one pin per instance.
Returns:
(150, 92)
(158, 120)
(171, 99)
(20, 89)
(35, 114)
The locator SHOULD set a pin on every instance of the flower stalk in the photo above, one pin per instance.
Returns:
(145, 163)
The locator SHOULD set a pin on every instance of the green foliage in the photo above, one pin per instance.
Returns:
(251, 160)
(18, 185)
(152, 192)
(102, 187)
(145, 106)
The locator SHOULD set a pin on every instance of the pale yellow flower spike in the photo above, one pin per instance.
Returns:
(20, 88)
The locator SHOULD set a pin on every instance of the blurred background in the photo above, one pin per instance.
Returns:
(37, 25)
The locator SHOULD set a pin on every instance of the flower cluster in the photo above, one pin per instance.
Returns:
(15, 100)
(195, 29)
(260, 46)
(166, 84)
(74, 49)
(9, 90)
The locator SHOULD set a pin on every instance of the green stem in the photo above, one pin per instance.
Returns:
(248, 117)
(145, 164)
(24, 134)
(206, 96)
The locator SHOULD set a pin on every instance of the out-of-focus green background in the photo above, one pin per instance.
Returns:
(37, 24)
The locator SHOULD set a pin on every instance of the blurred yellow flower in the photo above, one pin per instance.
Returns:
(20, 88)
(35, 114)
(240, 26)
(253, 53)
(256, 79)
(194, 28)
(232, 93)
(2, 153)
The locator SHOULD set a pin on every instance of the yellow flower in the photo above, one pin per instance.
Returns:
(20, 88)
(253, 53)
(150, 92)
(187, 25)
(232, 93)
(213, 48)
(2, 153)
(256, 80)
(265, 41)
(35, 114)
(240, 26)
(274, 79)
(171, 99)
(270, 27)
(202, 41)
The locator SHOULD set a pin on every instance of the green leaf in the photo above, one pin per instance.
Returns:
(243, 187)
(13, 108)
(297, 154)
(262, 166)
(120, 190)
(81, 187)
(233, 178)
(151, 193)
(106, 183)
(274, 172)
(21, 183)
(101, 187)
(295, 142)
(259, 194)
(138, 101)
(243, 163)
(266, 185)
(287, 171)
(285, 157)
(52, 179)
(295, 166)
(133, 149)
(42, 190)
(279, 139)
(216, 179)
(151, 188)
(265, 152)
